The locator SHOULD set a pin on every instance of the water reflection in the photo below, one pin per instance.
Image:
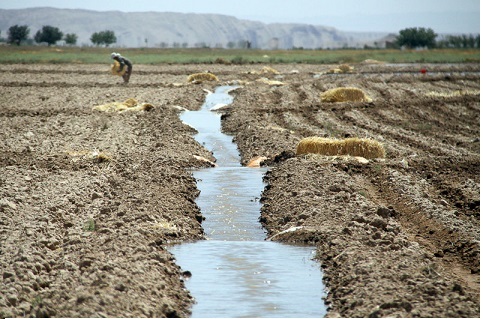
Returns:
(251, 279)
(236, 273)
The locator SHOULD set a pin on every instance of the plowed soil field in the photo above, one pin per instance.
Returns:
(89, 199)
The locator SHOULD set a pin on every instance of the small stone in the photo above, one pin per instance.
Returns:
(85, 263)
(6, 203)
(439, 253)
(29, 134)
(12, 300)
(7, 274)
(377, 235)
(335, 188)
(24, 306)
(120, 287)
(379, 223)
(96, 195)
(383, 212)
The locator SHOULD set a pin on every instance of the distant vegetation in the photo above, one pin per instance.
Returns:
(49, 35)
(44, 54)
(411, 38)
(105, 38)
(17, 34)
(464, 49)
(426, 38)
(417, 38)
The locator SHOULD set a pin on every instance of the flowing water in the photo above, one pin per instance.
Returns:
(236, 273)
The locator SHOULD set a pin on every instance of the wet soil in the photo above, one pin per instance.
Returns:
(88, 200)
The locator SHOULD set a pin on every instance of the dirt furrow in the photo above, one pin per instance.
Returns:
(88, 200)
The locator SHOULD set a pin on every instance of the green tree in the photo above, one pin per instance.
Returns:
(417, 38)
(17, 34)
(48, 34)
(70, 38)
(104, 38)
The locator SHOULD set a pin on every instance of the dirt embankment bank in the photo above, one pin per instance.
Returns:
(89, 199)
(396, 237)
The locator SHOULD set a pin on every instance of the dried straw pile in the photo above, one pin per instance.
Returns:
(267, 69)
(115, 69)
(270, 82)
(130, 105)
(95, 155)
(343, 68)
(351, 146)
(264, 70)
(200, 77)
(344, 95)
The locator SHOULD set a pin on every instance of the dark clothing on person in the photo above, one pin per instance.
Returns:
(122, 62)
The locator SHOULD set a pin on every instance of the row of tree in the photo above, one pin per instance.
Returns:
(50, 35)
(422, 37)
(410, 38)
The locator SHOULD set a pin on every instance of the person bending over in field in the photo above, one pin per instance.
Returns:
(123, 62)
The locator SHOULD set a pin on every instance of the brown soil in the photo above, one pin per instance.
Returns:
(88, 200)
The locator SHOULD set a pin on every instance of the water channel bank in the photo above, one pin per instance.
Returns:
(235, 273)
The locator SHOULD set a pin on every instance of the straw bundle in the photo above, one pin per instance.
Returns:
(95, 155)
(344, 95)
(130, 105)
(267, 69)
(264, 70)
(343, 68)
(200, 77)
(115, 69)
(270, 82)
(346, 68)
(351, 146)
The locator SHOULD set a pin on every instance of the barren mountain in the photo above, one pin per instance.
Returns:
(168, 29)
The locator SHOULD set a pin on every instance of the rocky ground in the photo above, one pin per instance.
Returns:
(89, 199)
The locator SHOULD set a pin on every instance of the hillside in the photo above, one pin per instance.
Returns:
(167, 29)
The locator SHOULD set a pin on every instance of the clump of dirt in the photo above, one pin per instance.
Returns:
(88, 200)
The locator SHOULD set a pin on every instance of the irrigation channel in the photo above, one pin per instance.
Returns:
(236, 272)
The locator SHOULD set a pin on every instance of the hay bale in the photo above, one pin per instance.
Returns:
(349, 94)
(115, 69)
(343, 68)
(334, 71)
(346, 68)
(270, 82)
(111, 107)
(95, 156)
(139, 107)
(200, 77)
(264, 70)
(130, 105)
(269, 70)
(332, 147)
(130, 102)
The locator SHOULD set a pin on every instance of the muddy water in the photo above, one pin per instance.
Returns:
(236, 273)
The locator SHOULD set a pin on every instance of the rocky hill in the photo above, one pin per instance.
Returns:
(168, 29)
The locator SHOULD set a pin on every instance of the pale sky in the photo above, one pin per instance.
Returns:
(443, 16)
